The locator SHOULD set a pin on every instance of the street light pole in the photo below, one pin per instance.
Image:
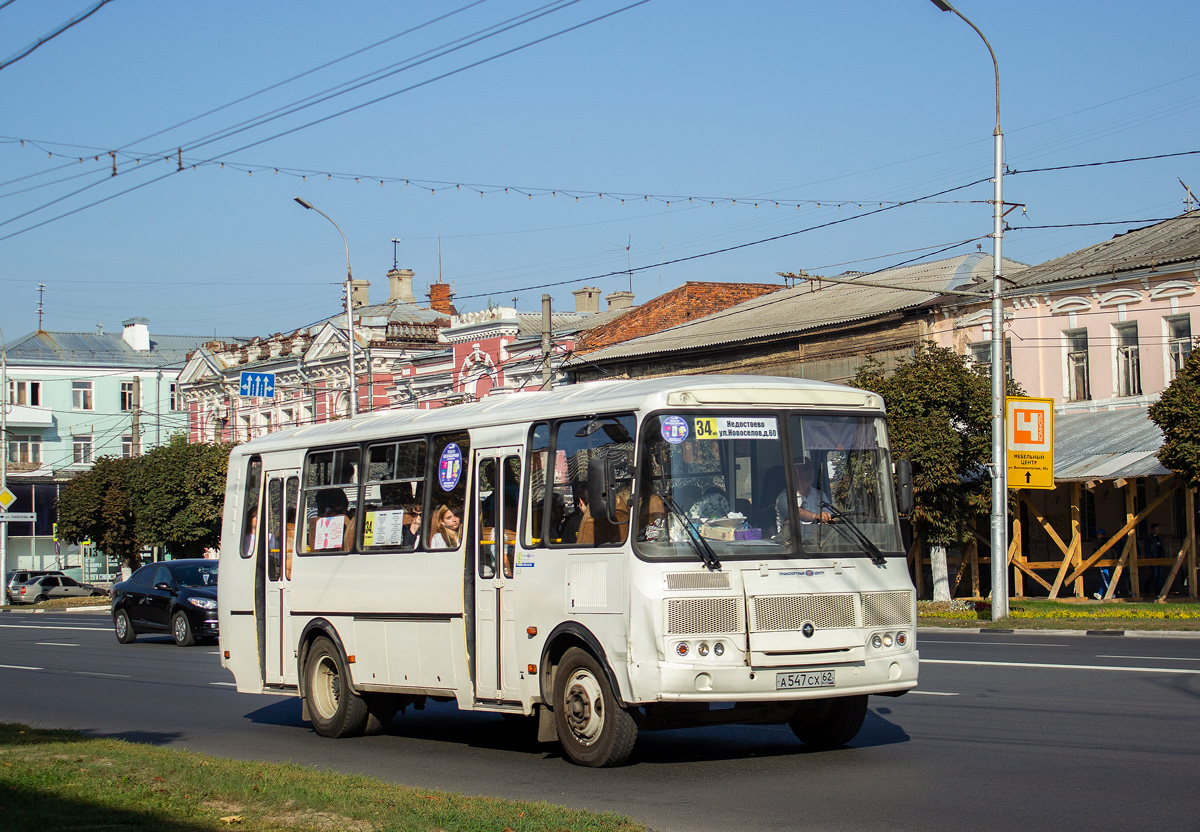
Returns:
(999, 464)
(349, 304)
(3, 445)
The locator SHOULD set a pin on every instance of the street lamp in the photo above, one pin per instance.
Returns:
(349, 304)
(999, 464)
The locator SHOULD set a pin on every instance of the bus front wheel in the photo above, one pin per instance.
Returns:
(593, 728)
(335, 710)
(829, 723)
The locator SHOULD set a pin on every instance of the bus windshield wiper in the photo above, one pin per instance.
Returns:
(851, 528)
(697, 540)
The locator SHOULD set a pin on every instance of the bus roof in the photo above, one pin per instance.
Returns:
(609, 396)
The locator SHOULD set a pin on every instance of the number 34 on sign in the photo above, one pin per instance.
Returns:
(1029, 442)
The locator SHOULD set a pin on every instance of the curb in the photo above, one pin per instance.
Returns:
(1185, 634)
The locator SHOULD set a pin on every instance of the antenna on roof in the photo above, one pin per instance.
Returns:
(628, 258)
(395, 254)
(41, 303)
(1189, 193)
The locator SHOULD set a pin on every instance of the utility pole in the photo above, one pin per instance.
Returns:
(136, 425)
(547, 374)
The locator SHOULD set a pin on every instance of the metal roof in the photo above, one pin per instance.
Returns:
(812, 305)
(1106, 445)
(1166, 243)
(94, 349)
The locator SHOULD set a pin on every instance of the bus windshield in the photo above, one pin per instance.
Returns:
(729, 476)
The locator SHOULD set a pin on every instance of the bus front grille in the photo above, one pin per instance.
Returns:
(789, 612)
(704, 616)
(697, 580)
(887, 609)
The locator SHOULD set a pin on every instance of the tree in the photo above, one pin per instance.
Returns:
(96, 504)
(939, 412)
(1177, 413)
(178, 495)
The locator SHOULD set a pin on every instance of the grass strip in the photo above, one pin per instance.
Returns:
(1078, 614)
(52, 780)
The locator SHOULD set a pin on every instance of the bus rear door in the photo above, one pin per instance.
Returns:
(495, 497)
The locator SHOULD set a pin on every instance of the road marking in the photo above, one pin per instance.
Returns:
(17, 667)
(931, 693)
(993, 643)
(1066, 666)
(225, 684)
(54, 644)
(1156, 658)
(51, 627)
(105, 675)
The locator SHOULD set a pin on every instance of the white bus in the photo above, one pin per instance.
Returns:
(607, 557)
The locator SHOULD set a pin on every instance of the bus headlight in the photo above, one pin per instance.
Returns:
(876, 641)
(719, 649)
(703, 648)
(887, 639)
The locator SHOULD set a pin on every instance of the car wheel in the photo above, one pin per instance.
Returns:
(334, 709)
(181, 629)
(829, 723)
(593, 729)
(41, 599)
(123, 628)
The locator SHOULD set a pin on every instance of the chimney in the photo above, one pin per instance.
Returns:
(619, 300)
(137, 334)
(400, 285)
(358, 292)
(440, 296)
(587, 300)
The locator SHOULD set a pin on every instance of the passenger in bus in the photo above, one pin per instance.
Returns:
(251, 533)
(332, 528)
(411, 533)
(444, 529)
(808, 499)
(289, 540)
(574, 523)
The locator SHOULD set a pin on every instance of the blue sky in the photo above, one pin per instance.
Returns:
(823, 107)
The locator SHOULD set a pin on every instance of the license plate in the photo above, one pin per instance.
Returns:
(804, 679)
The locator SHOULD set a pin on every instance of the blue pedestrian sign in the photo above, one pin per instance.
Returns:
(257, 384)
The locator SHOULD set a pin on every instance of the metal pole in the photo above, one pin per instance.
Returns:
(999, 538)
(3, 445)
(547, 372)
(349, 305)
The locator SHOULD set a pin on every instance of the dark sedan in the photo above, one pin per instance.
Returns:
(176, 596)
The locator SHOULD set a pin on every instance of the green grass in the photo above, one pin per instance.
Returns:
(51, 780)
(1073, 614)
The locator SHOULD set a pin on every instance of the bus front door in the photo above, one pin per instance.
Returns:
(495, 495)
(283, 494)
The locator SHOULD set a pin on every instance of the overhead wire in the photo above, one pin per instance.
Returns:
(42, 41)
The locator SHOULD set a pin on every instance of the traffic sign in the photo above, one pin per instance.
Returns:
(257, 384)
(17, 517)
(1029, 442)
(7, 498)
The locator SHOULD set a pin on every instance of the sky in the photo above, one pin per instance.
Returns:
(522, 147)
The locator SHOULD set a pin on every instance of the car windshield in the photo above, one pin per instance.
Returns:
(727, 477)
(200, 575)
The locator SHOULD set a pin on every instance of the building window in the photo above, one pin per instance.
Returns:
(1079, 387)
(25, 449)
(82, 450)
(127, 447)
(175, 403)
(981, 356)
(25, 392)
(127, 396)
(1179, 342)
(1129, 365)
(81, 395)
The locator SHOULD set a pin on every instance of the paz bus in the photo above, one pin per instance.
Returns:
(604, 558)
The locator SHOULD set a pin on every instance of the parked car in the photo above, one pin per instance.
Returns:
(45, 587)
(19, 576)
(176, 596)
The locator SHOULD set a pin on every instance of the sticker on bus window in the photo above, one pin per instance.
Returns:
(450, 467)
(737, 427)
(329, 532)
(675, 429)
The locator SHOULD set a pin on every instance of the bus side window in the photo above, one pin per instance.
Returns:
(330, 500)
(537, 533)
(576, 443)
(249, 535)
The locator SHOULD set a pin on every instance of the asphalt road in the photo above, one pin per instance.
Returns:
(1020, 731)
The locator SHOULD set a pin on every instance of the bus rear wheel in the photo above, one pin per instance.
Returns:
(334, 709)
(593, 729)
(829, 723)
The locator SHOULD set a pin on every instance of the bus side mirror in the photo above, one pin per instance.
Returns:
(602, 488)
(904, 486)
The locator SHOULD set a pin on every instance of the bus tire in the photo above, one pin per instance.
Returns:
(829, 723)
(333, 708)
(593, 729)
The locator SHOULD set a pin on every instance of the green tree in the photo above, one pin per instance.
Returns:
(178, 494)
(939, 412)
(96, 504)
(1177, 412)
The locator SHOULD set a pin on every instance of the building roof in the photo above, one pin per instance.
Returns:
(95, 349)
(812, 305)
(1107, 445)
(1167, 243)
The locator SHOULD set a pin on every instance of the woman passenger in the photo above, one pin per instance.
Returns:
(444, 528)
